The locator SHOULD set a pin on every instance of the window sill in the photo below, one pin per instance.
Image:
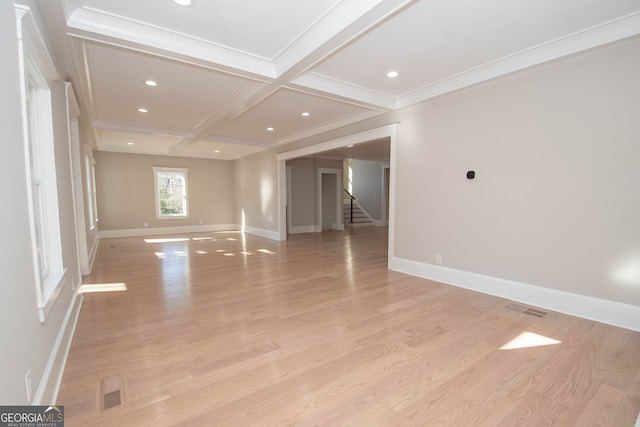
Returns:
(173, 217)
(52, 286)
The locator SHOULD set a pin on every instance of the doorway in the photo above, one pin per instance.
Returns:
(329, 199)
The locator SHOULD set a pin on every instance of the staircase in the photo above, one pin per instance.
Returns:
(359, 216)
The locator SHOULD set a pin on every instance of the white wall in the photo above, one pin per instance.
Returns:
(28, 344)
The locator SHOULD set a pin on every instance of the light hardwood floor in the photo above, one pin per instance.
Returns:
(239, 330)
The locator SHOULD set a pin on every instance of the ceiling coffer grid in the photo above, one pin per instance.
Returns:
(227, 71)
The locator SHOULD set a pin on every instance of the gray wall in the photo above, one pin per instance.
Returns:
(367, 186)
(329, 206)
(303, 190)
(556, 198)
(256, 190)
(126, 192)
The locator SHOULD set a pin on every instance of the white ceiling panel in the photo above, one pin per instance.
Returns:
(218, 150)
(283, 112)
(374, 151)
(124, 142)
(250, 26)
(184, 96)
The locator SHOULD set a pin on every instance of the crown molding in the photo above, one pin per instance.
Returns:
(345, 90)
(126, 127)
(88, 24)
(345, 120)
(608, 32)
(34, 46)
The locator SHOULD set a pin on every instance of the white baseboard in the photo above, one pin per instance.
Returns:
(47, 392)
(138, 232)
(135, 232)
(379, 223)
(92, 252)
(269, 234)
(299, 229)
(600, 310)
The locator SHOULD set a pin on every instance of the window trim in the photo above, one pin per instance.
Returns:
(36, 71)
(156, 190)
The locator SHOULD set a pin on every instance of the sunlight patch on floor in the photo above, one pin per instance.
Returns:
(167, 240)
(102, 287)
(528, 340)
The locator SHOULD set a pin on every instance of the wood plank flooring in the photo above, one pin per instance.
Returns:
(226, 329)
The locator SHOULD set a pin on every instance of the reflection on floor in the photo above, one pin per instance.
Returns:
(230, 329)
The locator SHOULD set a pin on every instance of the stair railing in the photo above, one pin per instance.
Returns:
(351, 199)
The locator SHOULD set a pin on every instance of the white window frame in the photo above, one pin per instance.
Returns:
(185, 173)
(36, 71)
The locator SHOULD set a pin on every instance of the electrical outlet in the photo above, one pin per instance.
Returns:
(146, 224)
(438, 259)
(27, 381)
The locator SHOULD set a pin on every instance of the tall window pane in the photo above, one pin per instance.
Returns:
(171, 192)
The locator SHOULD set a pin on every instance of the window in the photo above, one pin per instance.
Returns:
(37, 71)
(171, 193)
(90, 178)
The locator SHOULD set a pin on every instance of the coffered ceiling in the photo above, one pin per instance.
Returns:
(235, 77)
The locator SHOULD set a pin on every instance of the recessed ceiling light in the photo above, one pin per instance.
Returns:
(129, 142)
(183, 2)
(392, 74)
(216, 151)
(306, 114)
(270, 129)
(143, 110)
(150, 83)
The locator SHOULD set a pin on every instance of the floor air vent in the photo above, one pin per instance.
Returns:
(526, 310)
(111, 392)
(534, 312)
